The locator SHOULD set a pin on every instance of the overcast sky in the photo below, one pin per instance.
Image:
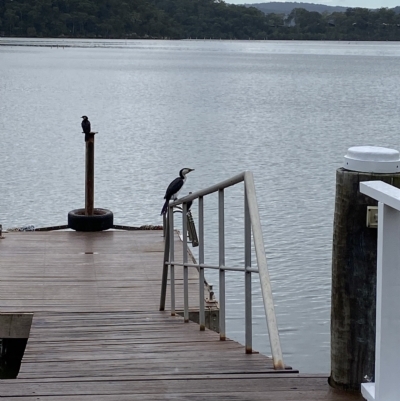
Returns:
(343, 3)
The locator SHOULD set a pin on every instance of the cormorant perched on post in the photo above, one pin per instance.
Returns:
(86, 127)
(173, 188)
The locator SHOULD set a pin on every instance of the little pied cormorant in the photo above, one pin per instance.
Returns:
(86, 127)
(173, 188)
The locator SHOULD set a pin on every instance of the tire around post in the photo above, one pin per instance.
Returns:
(102, 219)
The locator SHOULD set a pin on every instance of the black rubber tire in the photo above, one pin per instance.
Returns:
(101, 220)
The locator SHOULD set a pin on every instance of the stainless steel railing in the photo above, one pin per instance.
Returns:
(251, 224)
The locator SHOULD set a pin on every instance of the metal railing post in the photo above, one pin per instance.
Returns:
(221, 241)
(247, 277)
(202, 318)
(164, 280)
(172, 257)
(185, 268)
(266, 289)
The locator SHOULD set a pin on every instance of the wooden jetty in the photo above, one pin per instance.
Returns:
(97, 333)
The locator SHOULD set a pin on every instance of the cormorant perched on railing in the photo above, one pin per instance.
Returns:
(173, 188)
(86, 127)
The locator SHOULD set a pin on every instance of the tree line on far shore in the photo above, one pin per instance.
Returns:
(195, 19)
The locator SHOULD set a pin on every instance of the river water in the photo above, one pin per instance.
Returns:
(287, 111)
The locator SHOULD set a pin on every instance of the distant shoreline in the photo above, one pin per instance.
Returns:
(67, 41)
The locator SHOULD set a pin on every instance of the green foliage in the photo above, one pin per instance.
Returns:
(180, 19)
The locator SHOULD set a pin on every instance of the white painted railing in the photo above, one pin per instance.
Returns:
(251, 224)
(387, 351)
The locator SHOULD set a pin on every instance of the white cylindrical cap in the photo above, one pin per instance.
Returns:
(372, 159)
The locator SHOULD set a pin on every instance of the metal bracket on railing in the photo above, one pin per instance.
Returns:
(191, 227)
(211, 299)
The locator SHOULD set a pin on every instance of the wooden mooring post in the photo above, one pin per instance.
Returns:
(354, 262)
(90, 218)
(89, 175)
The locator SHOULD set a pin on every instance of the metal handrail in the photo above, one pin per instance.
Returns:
(251, 224)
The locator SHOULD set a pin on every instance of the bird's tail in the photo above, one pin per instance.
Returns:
(165, 207)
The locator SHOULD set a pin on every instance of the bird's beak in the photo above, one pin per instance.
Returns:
(191, 169)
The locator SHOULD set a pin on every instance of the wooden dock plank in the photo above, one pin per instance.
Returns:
(277, 396)
(70, 271)
(157, 345)
(270, 388)
(97, 333)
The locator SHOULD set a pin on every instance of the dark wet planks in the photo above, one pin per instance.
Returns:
(131, 344)
(265, 387)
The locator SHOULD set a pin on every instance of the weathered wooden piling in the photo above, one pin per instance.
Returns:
(89, 175)
(354, 261)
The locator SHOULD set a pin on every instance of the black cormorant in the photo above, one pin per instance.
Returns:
(173, 188)
(86, 127)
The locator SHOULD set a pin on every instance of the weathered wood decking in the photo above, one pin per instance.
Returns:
(77, 272)
(97, 333)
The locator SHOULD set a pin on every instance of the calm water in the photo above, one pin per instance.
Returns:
(287, 111)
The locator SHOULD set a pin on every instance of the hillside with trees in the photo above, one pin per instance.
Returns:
(181, 19)
(287, 7)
